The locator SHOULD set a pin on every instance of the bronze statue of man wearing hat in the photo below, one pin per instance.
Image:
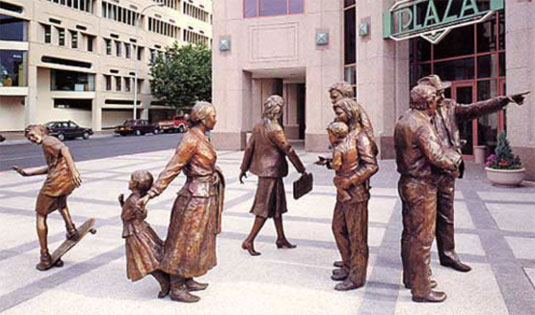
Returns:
(448, 116)
(420, 158)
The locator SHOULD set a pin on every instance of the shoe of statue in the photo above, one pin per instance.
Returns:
(193, 285)
(432, 297)
(456, 264)
(432, 284)
(340, 275)
(347, 285)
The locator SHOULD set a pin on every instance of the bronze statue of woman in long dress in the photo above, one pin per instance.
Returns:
(190, 247)
(265, 156)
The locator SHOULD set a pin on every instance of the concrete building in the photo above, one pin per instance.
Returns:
(298, 48)
(76, 59)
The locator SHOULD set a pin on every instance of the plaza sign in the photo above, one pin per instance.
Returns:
(406, 19)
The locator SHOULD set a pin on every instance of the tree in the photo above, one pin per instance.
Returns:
(182, 76)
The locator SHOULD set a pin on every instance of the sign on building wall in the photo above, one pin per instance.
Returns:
(433, 19)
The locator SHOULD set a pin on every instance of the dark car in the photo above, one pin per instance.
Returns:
(136, 127)
(2, 138)
(67, 130)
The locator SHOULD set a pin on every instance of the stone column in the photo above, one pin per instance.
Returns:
(98, 101)
(324, 67)
(30, 102)
(256, 103)
(520, 71)
(96, 112)
(291, 125)
(382, 74)
(231, 97)
(144, 112)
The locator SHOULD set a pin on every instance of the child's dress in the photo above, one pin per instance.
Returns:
(143, 247)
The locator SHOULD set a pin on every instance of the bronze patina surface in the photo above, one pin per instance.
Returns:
(190, 246)
(265, 156)
(420, 158)
(62, 178)
(143, 247)
(354, 159)
(449, 115)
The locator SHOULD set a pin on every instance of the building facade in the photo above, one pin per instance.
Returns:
(77, 59)
(299, 48)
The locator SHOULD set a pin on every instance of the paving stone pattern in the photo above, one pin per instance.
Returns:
(495, 234)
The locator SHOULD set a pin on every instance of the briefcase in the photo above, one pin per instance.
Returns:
(303, 185)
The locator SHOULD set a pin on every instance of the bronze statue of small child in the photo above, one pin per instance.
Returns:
(338, 132)
(144, 249)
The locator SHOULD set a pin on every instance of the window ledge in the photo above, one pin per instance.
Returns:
(13, 90)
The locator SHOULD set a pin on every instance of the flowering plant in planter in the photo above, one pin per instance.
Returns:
(503, 159)
(504, 168)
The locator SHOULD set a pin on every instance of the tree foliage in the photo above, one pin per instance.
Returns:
(182, 76)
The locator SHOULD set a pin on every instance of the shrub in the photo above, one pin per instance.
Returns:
(503, 158)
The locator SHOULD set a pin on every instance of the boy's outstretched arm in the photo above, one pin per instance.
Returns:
(23, 172)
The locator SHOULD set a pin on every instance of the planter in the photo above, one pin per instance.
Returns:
(505, 177)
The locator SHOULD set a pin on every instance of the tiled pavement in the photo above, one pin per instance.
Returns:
(495, 235)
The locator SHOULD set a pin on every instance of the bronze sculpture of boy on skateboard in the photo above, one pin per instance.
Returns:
(62, 179)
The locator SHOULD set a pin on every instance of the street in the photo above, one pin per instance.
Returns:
(31, 155)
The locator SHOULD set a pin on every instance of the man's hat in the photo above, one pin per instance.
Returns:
(434, 81)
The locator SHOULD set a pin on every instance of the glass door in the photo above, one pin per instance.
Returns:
(489, 126)
(464, 93)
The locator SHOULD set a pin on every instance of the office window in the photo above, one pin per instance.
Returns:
(82, 5)
(139, 53)
(350, 44)
(253, 8)
(127, 84)
(152, 55)
(90, 42)
(107, 78)
(61, 36)
(47, 33)
(118, 84)
(118, 50)
(13, 67)
(61, 80)
(11, 7)
(12, 28)
(127, 50)
(74, 39)
(119, 14)
(108, 46)
(82, 104)
(163, 28)
(195, 12)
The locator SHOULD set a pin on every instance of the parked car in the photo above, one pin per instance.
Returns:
(67, 130)
(136, 127)
(177, 124)
(2, 138)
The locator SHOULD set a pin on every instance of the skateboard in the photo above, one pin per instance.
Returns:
(85, 228)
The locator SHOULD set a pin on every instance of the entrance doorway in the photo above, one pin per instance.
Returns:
(464, 93)
(472, 58)
(482, 131)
